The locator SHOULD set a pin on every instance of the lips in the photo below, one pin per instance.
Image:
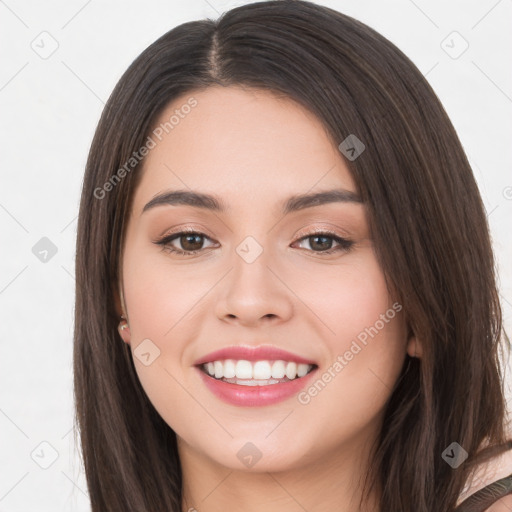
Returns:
(252, 354)
(265, 375)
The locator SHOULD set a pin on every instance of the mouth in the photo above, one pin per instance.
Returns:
(256, 373)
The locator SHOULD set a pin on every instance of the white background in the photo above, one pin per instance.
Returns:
(49, 110)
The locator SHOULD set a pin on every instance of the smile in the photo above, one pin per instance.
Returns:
(256, 373)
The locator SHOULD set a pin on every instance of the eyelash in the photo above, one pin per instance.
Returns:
(344, 244)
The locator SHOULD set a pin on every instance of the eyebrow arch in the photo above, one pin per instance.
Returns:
(214, 203)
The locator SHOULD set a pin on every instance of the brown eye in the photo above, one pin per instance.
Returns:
(322, 243)
(190, 241)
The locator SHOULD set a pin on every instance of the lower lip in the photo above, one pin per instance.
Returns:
(253, 396)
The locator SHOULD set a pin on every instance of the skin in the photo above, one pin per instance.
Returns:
(254, 150)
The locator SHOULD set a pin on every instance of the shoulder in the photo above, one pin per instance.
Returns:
(486, 475)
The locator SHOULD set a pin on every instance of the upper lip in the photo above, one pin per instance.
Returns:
(261, 353)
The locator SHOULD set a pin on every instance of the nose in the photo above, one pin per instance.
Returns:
(254, 293)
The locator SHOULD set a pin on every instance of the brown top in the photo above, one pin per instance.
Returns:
(488, 485)
(481, 500)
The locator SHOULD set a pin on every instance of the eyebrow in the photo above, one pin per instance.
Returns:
(214, 203)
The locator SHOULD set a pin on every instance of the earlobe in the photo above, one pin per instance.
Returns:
(124, 331)
(414, 348)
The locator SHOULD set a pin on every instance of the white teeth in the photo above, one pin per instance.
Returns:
(219, 371)
(278, 369)
(243, 370)
(302, 369)
(291, 370)
(257, 372)
(261, 370)
(229, 369)
(245, 382)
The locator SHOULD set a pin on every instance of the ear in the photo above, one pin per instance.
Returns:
(414, 348)
(124, 331)
(123, 327)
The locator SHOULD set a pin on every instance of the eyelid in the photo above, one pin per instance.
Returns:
(331, 231)
(186, 229)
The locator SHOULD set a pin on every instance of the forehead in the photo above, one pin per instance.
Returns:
(241, 144)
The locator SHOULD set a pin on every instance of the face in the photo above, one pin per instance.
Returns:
(251, 275)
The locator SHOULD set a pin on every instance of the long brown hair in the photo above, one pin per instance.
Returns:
(426, 217)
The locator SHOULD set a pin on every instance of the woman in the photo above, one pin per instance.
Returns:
(285, 286)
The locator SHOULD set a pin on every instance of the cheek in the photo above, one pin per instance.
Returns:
(346, 297)
(372, 321)
(160, 302)
(166, 304)
(366, 343)
(160, 297)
